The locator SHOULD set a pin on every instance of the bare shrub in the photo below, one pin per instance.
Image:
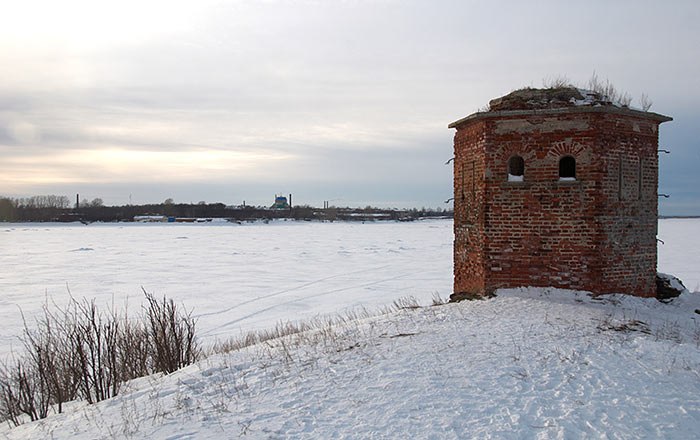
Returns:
(645, 102)
(50, 351)
(94, 341)
(134, 349)
(9, 403)
(22, 393)
(80, 352)
(171, 333)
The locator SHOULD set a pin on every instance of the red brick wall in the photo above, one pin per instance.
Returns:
(597, 233)
(468, 201)
(629, 214)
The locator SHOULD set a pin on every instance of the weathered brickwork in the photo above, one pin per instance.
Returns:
(596, 232)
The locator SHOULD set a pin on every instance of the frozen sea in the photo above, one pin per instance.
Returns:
(234, 277)
(237, 278)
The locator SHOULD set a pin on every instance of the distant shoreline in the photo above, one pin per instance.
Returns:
(223, 220)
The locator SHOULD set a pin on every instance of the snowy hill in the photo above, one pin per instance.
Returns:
(530, 363)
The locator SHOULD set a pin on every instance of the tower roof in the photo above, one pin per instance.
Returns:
(560, 97)
(556, 100)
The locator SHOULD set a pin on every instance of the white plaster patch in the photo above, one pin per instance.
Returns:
(547, 125)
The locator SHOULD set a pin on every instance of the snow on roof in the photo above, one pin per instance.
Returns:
(529, 99)
(555, 100)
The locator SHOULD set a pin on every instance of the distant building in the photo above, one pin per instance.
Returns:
(280, 202)
(150, 218)
(556, 187)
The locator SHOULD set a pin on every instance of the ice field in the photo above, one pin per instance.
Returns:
(234, 277)
(241, 277)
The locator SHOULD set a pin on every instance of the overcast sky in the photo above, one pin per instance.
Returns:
(342, 101)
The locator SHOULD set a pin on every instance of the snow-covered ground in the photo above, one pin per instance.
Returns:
(531, 363)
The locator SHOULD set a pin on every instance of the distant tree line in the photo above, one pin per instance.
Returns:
(52, 208)
(36, 208)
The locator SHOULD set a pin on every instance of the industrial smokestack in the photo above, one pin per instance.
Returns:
(77, 201)
(290, 201)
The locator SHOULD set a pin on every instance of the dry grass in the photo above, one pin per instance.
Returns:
(604, 88)
(557, 82)
(324, 330)
(608, 90)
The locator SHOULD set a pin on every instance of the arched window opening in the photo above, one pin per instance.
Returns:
(516, 169)
(567, 168)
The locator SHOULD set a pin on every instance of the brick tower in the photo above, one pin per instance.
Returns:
(556, 187)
